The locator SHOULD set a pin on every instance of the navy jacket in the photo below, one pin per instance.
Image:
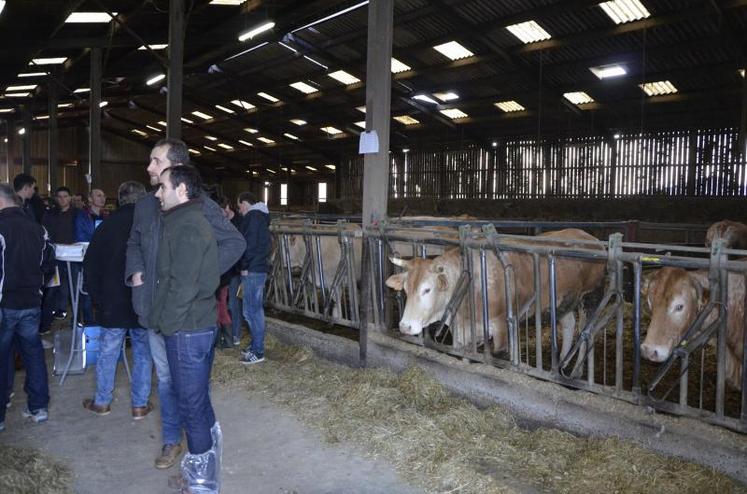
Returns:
(85, 224)
(255, 226)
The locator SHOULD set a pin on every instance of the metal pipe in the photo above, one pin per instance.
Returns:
(636, 327)
(484, 294)
(537, 311)
(553, 314)
(743, 417)
(721, 341)
(320, 266)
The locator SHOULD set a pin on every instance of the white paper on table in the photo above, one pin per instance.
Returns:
(369, 142)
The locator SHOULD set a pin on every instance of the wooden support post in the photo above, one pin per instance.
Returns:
(52, 160)
(10, 156)
(26, 140)
(176, 65)
(94, 124)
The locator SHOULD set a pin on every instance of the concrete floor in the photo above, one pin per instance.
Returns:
(266, 449)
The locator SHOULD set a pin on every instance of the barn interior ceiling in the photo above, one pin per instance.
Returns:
(277, 86)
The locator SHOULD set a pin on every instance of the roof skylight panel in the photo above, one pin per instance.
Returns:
(224, 109)
(225, 146)
(361, 124)
(454, 113)
(268, 97)
(446, 96)
(509, 106)
(578, 98)
(608, 71)
(528, 32)
(298, 121)
(622, 11)
(658, 88)
(406, 120)
(303, 87)
(245, 143)
(344, 77)
(331, 130)
(242, 104)
(453, 50)
(398, 66)
(202, 115)
(266, 140)
(89, 18)
(48, 61)
(426, 98)
(290, 136)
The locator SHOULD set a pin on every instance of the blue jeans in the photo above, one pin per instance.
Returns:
(171, 426)
(254, 310)
(234, 306)
(190, 355)
(24, 325)
(110, 347)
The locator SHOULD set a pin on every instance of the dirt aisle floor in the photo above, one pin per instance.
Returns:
(267, 449)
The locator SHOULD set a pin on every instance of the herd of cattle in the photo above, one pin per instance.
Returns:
(674, 296)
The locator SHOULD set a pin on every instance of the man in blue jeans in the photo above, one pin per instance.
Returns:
(184, 311)
(255, 226)
(23, 244)
(104, 266)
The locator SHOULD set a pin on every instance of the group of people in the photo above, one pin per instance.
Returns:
(157, 268)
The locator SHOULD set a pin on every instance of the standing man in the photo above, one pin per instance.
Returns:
(184, 312)
(140, 273)
(255, 226)
(104, 266)
(23, 183)
(25, 257)
(88, 218)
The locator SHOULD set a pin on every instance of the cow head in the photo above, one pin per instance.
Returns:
(674, 297)
(428, 288)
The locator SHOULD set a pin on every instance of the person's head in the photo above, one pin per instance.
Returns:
(63, 197)
(178, 185)
(246, 200)
(79, 201)
(97, 198)
(23, 183)
(167, 153)
(8, 197)
(130, 192)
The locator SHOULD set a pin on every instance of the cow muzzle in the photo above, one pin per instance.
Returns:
(410, 328)
(655, 353)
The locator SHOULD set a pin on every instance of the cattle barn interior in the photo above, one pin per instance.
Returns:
(493, 118)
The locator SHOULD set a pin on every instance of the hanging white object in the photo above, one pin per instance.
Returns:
(369, 143)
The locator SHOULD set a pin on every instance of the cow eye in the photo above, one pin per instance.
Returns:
(679, 307)
(426, 291)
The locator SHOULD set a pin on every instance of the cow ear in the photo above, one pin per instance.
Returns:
(704, 297)
(442, 282)
(647, 283)
(397, 281)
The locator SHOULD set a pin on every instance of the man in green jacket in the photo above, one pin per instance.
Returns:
(184, 312)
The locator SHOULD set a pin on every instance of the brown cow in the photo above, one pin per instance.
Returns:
(675, 297)
(733, 232)
(429, 285)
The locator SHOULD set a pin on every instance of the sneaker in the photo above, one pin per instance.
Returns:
(169, 455)
(236, 341)
(47, 345)
(250, 358)
(59, 314)
(37, 416)
(100, 410)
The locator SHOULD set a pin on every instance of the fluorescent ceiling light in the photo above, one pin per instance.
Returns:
(17, 95)
(251, 130)
(139, 132)
(344, 77)
(658, 88)
(154, 47)
(398, 66)
(223, 108)
(211, 138)
(741, 72)
(310, 168)
(578, 98)
(271, 171)
(203, 116)
(331, 130)
(162, 123)
(155, 79)
(453, 50)
(454, 113)
(257, 30)
(186, 120)
(448, 96)
(27, 87)
(268, 97)
(21, 131)
(332, 16)
(33, 74)
(48, 61)
(361, 109)
(608, 71)
(210, 149)
(361, 124)
(103, 104)
(406, 120)
(41, 117)
(298, 122)
(194, 151)
(89, 17)
(290, 136)
(64, 105)
(227, 2)
(265, 140)
(246, 143)
(509, 106)
(154, 128)
(423, 97)
(331, 167)
(529, 32)
(82, 90)
(225, 146)
(303, 87)
(242, 104)
(315, 62)
(2, 6)
(6, 110)
(622, 11)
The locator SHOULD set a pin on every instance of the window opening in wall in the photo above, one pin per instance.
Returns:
(283, 194)
(322, 191)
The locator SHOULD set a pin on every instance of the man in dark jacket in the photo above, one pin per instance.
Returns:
(140, 273)
(104, 266)
(255, 226)
(23, 183)
(184, 312)
(25, 257)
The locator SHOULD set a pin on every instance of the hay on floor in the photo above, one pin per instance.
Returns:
(446, 444)
(28, 471)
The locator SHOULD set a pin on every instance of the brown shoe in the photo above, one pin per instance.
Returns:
(88, 404)
(141, 412)
(169, 455)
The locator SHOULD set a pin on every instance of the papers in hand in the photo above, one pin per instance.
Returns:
(70, 252)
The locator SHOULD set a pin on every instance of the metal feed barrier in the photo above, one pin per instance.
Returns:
(605, 355)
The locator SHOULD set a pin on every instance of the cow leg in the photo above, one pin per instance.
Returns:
(568, 328)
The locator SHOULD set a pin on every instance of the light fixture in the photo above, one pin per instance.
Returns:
(223, 108)
(103, 104)
(616, 136)
(203, 116)
(453, 50)
(32, 74)
(210, 149)
(331, 130)
(48, 61)
(6, 110)
(41, 117)
(64, 105)
(211, 138)
(398, 66)
(528, 32)
(251, 130)
(139, 132)
(608, 71)
(266, 140)
(21, 131)
(227, 2)
(447, 96)
(225, 146)
(741, 72)
(194, 151)
(242, 104)
(332, 16)
(89, 17)
(298, 122)
(26, 87)
(509, 106)
(425, 98)
(454, 113)
(245, 143)
(658, 88)
(405, 150)
(290, 136)
(154, 128)
(578, 97)
(154, 47)
(311, 168)
(257, 30)
(2, 6)
(17, 95)
(303, 87)
(344, 77)
(622, 11)
(271, 171)
(268, 97)
(186, 120)
(162, 123)
(361, 124)
(331, 167)
(406, 120)
(494, 144)
(156, 78)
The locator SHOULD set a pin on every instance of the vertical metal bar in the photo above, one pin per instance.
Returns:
(484, 298)
(380, 263)
(683, 380)
(553, 314)
(94, 125)
(352, 287)
(537, 311)
(288, 270)
(177, 30)
(636, 327)
(320, 268)
(620, 327)
(52, 159)
(743, 417)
